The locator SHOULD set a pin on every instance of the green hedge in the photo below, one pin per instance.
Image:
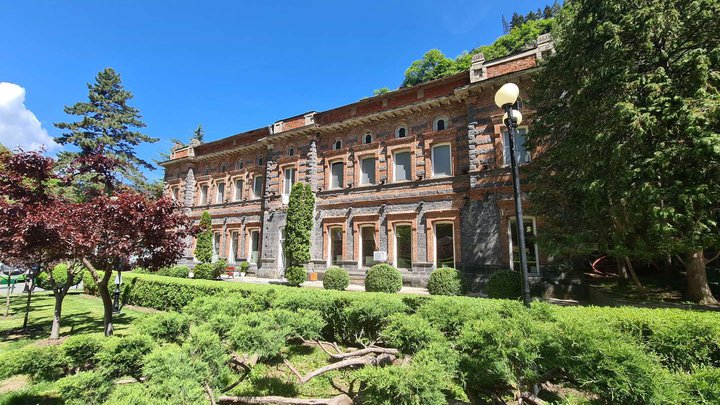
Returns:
(446, 281)
(336, 278)
(383, 278)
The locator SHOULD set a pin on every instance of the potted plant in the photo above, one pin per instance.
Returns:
(244, 266)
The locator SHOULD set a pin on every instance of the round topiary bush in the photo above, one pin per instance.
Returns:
(336, 278)
(504, 284)
(446, 281)
(383, 278)
(206, 271)
(295, 275)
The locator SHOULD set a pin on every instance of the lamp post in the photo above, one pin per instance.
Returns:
(506, 98)
(116, 294)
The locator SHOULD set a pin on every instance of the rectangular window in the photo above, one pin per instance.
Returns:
(403, 247)
(402, 169)
(237, 196)
(176, 193)
(203, 194)
(367, 171)
(367, 235)
(254, 246)
(233, 248)
(336, 245)
(336, 174)
(441, 161)
(444, 246)
(530, 246)
(522, 155)
(216, 244)
(289, 180)
(257, 186)
(220, 197)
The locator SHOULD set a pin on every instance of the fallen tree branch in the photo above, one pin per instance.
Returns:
(368, 360)
(210, 394)
(338, 400)
(360, 352)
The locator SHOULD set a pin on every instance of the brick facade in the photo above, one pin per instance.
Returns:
(464, 215)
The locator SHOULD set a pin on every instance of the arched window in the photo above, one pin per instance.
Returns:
(337, 145)
(259, 160)
(291, 150)
(440, 123)
(222, 168)
(240, 164)
(401, 131)
(367, 138)
(207, 170)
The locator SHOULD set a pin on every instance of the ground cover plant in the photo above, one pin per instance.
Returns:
(236, 341)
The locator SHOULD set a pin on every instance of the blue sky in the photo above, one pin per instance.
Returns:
(230, 65)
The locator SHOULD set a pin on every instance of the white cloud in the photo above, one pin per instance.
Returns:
(18, 126)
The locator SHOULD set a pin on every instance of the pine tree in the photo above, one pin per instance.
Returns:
(505, 25)
(628, 124)
(299, 224)
(198, 134)
(204, 242)
(107, 125)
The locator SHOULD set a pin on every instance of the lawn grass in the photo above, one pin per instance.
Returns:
(81, 314)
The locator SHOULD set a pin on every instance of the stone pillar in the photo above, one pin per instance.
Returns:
(241, 240)
(188, 201)
(383, 238)
(311, 174)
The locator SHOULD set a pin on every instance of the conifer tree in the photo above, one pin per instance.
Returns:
(106, 124)
(204, 245)
(628, 125)
(299, 224)
(198, 134)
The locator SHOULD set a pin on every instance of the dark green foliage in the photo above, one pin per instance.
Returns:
(131, 394)
(362, 319)
(85, 387)
(89, 284)
(165, 326)
(383, 278)
(446, 281)
(702, 386)
(244, 266)
(381, 91)
(649, 74)
(504, 284)
(299, 224)
(295, 275)
(204, 240)
(81, 350)
(206, 271)
(410, 333)
(336, 278)
(123, 356)
(179, 271)
(173, 377)
(204, 345)
(106, 121)
(220, 266)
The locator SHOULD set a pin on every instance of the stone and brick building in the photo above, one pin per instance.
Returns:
(418, 177)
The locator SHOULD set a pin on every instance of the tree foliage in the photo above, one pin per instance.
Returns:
(204, 242)
(299, 224)
(106, 122)
(628, 122)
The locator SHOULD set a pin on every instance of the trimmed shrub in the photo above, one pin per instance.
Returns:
(59, 273)
(362, 320)
(123, 356)
(446, 281)
(180, 271)
(41, 363)
(89, 284)
(244, 266)
(81, 350)
(504, 284)
(336, 278)
(85, 387)
(410, 333)
(206, 271)
(166, 326)
(295, 275)
(173, 377)
(383, 278)
(131, 394)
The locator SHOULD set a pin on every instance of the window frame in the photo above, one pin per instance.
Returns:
(331, 261)
(397, 131)
(446, 123)
(432, 159)
(259, 160)
(361, 244)
(395, 225)
(330, 178)
(335, 144)
(435, 241)
(411, 172)
(251, 232)
(204, 191)
(238, 196)
(536, 268)
(290, 150)
(505, 134)
(294, 171)
(219, 197)
(361, 159)
(255, 177)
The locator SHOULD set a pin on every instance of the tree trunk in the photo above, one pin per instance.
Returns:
(59, 296)
(7, 299)
(634, 276)
(698, 288)
(27, 305)
(621, 270)
(107, 302)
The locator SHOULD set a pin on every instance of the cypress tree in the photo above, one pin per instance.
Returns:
(203, 247)
(299, 224)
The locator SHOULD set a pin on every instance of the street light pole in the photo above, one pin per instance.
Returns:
(506, 98)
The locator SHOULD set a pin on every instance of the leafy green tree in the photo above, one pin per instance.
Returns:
(628, 122)
(381, 91)
(107, 124)
(203, 247)
(433, 65)
(299, 224)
